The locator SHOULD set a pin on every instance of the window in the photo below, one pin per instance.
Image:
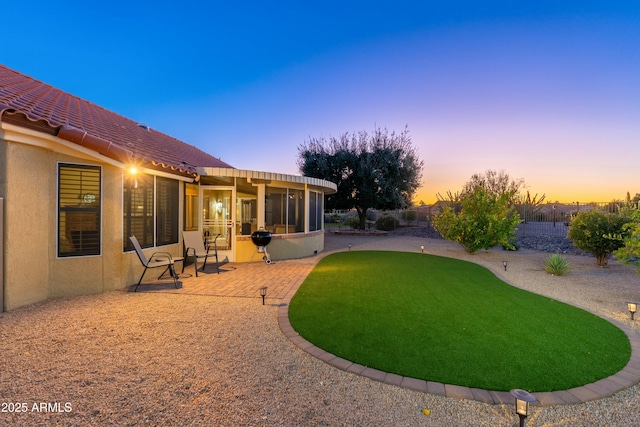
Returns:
(284, 210)
(151, 207)
(315, 211)
(138, 211)
(275, 212)
(167, 205)
(191, 207)
(295, 211)
(79, 210)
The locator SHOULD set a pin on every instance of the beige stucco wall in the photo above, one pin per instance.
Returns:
(3, 181)
(3, 165)
(27, 220)
(33, 272)
(288, 246)
(89, 274)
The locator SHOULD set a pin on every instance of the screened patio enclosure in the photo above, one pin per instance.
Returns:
(227, 205)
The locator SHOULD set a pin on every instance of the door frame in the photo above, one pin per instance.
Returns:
(224, 254)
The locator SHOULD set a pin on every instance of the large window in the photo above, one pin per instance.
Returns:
(315, 211)
(79, 210)
(147, 198)
(284, 210)
(167, 204)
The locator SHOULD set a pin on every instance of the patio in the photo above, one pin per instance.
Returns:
(240, 280)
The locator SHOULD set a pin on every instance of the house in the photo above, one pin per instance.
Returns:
(76, 180)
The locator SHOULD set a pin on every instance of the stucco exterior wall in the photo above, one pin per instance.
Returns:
(3, 165)
(3, 186)
(27, 221)
(89, 274)
(33, 272)
(289, 246)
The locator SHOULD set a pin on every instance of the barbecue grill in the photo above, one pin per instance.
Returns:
(261, 238)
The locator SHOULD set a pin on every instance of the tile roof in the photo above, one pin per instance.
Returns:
(85, 123)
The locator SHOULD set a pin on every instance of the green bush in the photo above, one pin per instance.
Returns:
(387, 223)
(557, 265)
(352, 221)
(590, 230)
(484, 221)
(629, 253)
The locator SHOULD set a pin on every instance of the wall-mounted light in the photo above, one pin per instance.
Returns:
(133, 171)
(219, 206)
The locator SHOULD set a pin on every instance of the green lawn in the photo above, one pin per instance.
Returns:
(451, 321)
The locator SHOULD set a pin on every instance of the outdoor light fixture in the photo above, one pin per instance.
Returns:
(504, 263)
(422, 248)
(523, 398)
(632, 307)
(263, 293)
(133, 171)
(349, 246)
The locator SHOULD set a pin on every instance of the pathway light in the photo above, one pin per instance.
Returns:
(263, 293)
(422, 248)
(523, 398)
(632, 307)
(504, 263)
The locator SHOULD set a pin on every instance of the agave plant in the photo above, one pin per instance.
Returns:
(557, 265)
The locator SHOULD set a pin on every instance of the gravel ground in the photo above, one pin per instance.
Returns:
(158, 359)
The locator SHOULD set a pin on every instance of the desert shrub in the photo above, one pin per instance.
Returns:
(557, 265)
(386, 223)
(483, 221)
(352, 221)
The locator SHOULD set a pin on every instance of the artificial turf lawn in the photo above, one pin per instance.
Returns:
(451, 321)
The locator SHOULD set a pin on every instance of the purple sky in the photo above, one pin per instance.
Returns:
(548, 91)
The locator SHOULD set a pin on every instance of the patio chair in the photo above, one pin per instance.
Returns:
(158, 259)
(194, 246)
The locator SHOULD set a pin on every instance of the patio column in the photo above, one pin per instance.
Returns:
(261, 204)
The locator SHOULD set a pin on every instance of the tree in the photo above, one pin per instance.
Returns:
(481, 216)
(497, 184)
(380, 170)
(591, 232)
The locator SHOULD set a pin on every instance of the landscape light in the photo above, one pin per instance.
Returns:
(504, 263)
(349, 246)
(263, 293)
(523, 398)
(632, 307)
(422, 248)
